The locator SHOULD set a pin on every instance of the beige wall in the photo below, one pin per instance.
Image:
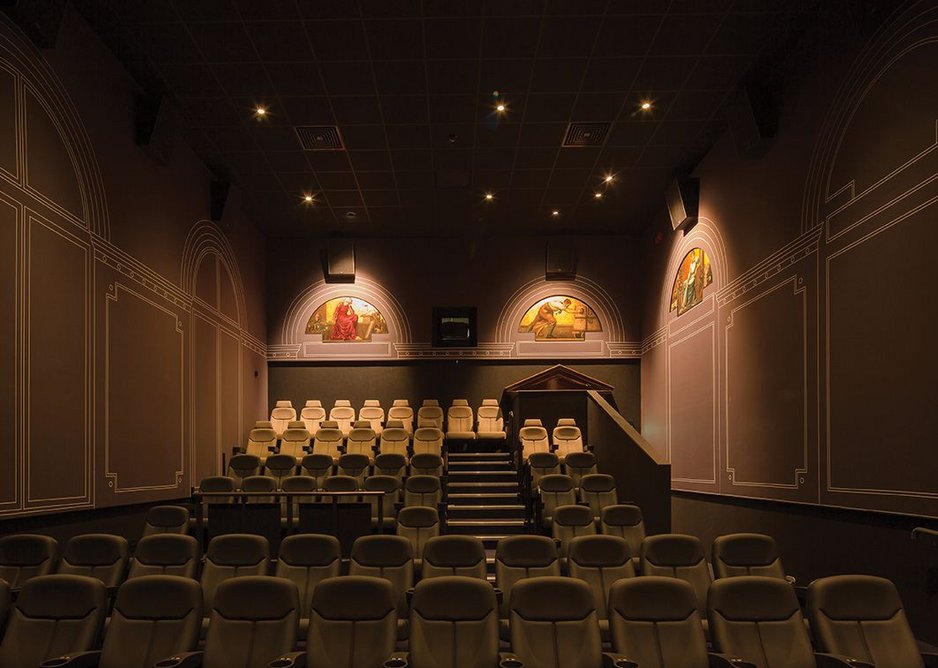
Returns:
(808, 372)
(132, 349)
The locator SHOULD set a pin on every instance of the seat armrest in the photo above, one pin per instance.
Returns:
(500, 595)
(291, 660)
(509, 660)
(613, 660)
(396, 660)
(182, 660)
(930, 659)
(726, 661)
(73, 660)
(825, 660)
(410, 596)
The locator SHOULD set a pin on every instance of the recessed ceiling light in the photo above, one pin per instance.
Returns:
(350, 215)
(555, 213)
(489, 197)
(260, 111)
(500, 107)
(645, 105)
(597, 195)
(308, 198)
(609, 178)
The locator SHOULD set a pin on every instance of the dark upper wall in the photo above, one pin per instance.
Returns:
(806, 373)
(133, 345)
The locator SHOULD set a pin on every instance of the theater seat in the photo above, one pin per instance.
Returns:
(625, 520)
(361, 441)
(317, 466)
(354, 465)
(861, 616)
(98, 555)
(294, 484)
(254, 620)
(25, 556)
(541, 464)
(281, 467)
(555, 490)
(166, 519)
(599, 561)
(654, 622)
(391, 487)
(430, 415)
(243, 466)
(599, 491)
(395, 441)
(391, 558)
(459, 422)
(570, 522)
(533, 439)
(295, 442)
(262, 442)
(392, 464)
(306, 560)
(343, 415)
(353, 623)
(746, 554)
(165, 554)
(258, 484)
(579, 464)
(328, 441)
(428, 440)
(554, 623)
(341, 483)
(758, 620)
(263, 424)
(567, 439)
(520, 557)
(678, 556)
(53, 615)
(454, 555)
(402, 412)
(453, 624)
(426, 463)
(423, 490)
(533, 422)
(490, 426)
(312, 415)
(373, 414)
(232, 556)
(281, 416)
(154, 617)
(418, 524)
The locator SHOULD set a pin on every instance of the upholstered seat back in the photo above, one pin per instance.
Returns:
(25, 556)
(430, 416)
(166, 519)
(579, 464)
(403, 413)
(541, 464)
(418, 524)
(678, 556)
(426, 463)
(395, 441)
(570, 522)
(520, 557)
(746, 554)
(261, 441)
(317, 465)
(599, 561)
(98, 555)
(361, 441)
(422, 490)
(567, 439)
(327, 442)
(165, 554)
(454, 555)
(281, 467)
(388, 557)
(533, 439)
(344, 416)
(295, 442)
(232, 556)
(428, 440)
(374, 415)
(624, 520)
(281, 416)
(306, 560)
(555, 490)
(354, 465)
(312, 417)
(599, 491)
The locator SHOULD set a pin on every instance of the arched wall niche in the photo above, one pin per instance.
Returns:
(206, 254)
(706, 236)
(298, 344)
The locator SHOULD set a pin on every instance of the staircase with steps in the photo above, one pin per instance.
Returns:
(484, 498)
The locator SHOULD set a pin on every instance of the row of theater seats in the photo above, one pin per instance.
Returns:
(565, 439)
(460, 421)
(452, 621)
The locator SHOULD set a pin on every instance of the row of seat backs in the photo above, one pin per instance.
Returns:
(565, 439)
(328, 439)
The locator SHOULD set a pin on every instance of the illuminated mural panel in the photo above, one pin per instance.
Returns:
(692, 277)
(560, 318)
(346, 320)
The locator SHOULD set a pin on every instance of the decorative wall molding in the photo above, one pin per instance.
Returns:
(427, 351)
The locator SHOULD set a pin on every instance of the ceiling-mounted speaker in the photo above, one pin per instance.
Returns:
(752, 113)
(340, 261)
(561, 260)
(153, 126)
(218, 197)
(683, 198)
(39, 19)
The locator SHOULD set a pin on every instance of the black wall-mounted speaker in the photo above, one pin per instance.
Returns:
(683, 197)
(340, 261)
(560, 260)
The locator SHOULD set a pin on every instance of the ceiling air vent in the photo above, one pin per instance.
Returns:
(319, 137)
(585, 134)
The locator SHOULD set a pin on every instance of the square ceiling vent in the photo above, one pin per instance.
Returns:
(585, 134)
(319, 137)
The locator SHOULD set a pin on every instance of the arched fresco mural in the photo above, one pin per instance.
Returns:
(560, 318)
(693, 276)
(346, 319)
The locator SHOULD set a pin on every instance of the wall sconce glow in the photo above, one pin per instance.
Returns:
(489, 197)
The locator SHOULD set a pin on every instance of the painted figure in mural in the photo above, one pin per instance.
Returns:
(346, 322)
(546, 320)
(559, 318)
(693, 276)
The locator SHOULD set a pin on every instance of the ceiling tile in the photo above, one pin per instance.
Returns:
(453, 37)
(337, 40)
(513, 37)
(348, 78)
(395, 40)
(370, 160)
(280, 41)
(223, 42)
(356, 110)
(627, 35)
(685, 34)
(400, 77)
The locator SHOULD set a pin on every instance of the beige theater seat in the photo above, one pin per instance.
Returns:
(520, 557)
(579, 464)
(391, 487)
(341, 483)
(566, 438)
(428, 440)
(570, 522)
(600, 561)
(53, 615)
(97, 555)
(280, 467)
(392, 464)
(418, 524)
(453, 624)
(555, 490)
(861, 616)
(361, 441)
(232, 556)
(258, 484)
(391, 558)
(306, 560)
(261, 443)
(26, 556)
(554, 623)
(758, 620)
(454, 555)
(295, 441)
(254, 620)
(491, 425)
(344, 415)
(401, 411)
(395, 440)
(541, 464)
(243, 466)
(654, 622)
(532, 422)
(625, 520)
(678, 556)
(374, 414)
(355, 466)
(533, 439)
(263, 424)
(328, 441)
(426, 463)
(297, 483)
(312, 415)
(459, 421)
(746, 554)
(423, 490)
(317, 466)
(599, 491)
(281, 416)
(166, 519)
(166, 554)
(430, 415)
